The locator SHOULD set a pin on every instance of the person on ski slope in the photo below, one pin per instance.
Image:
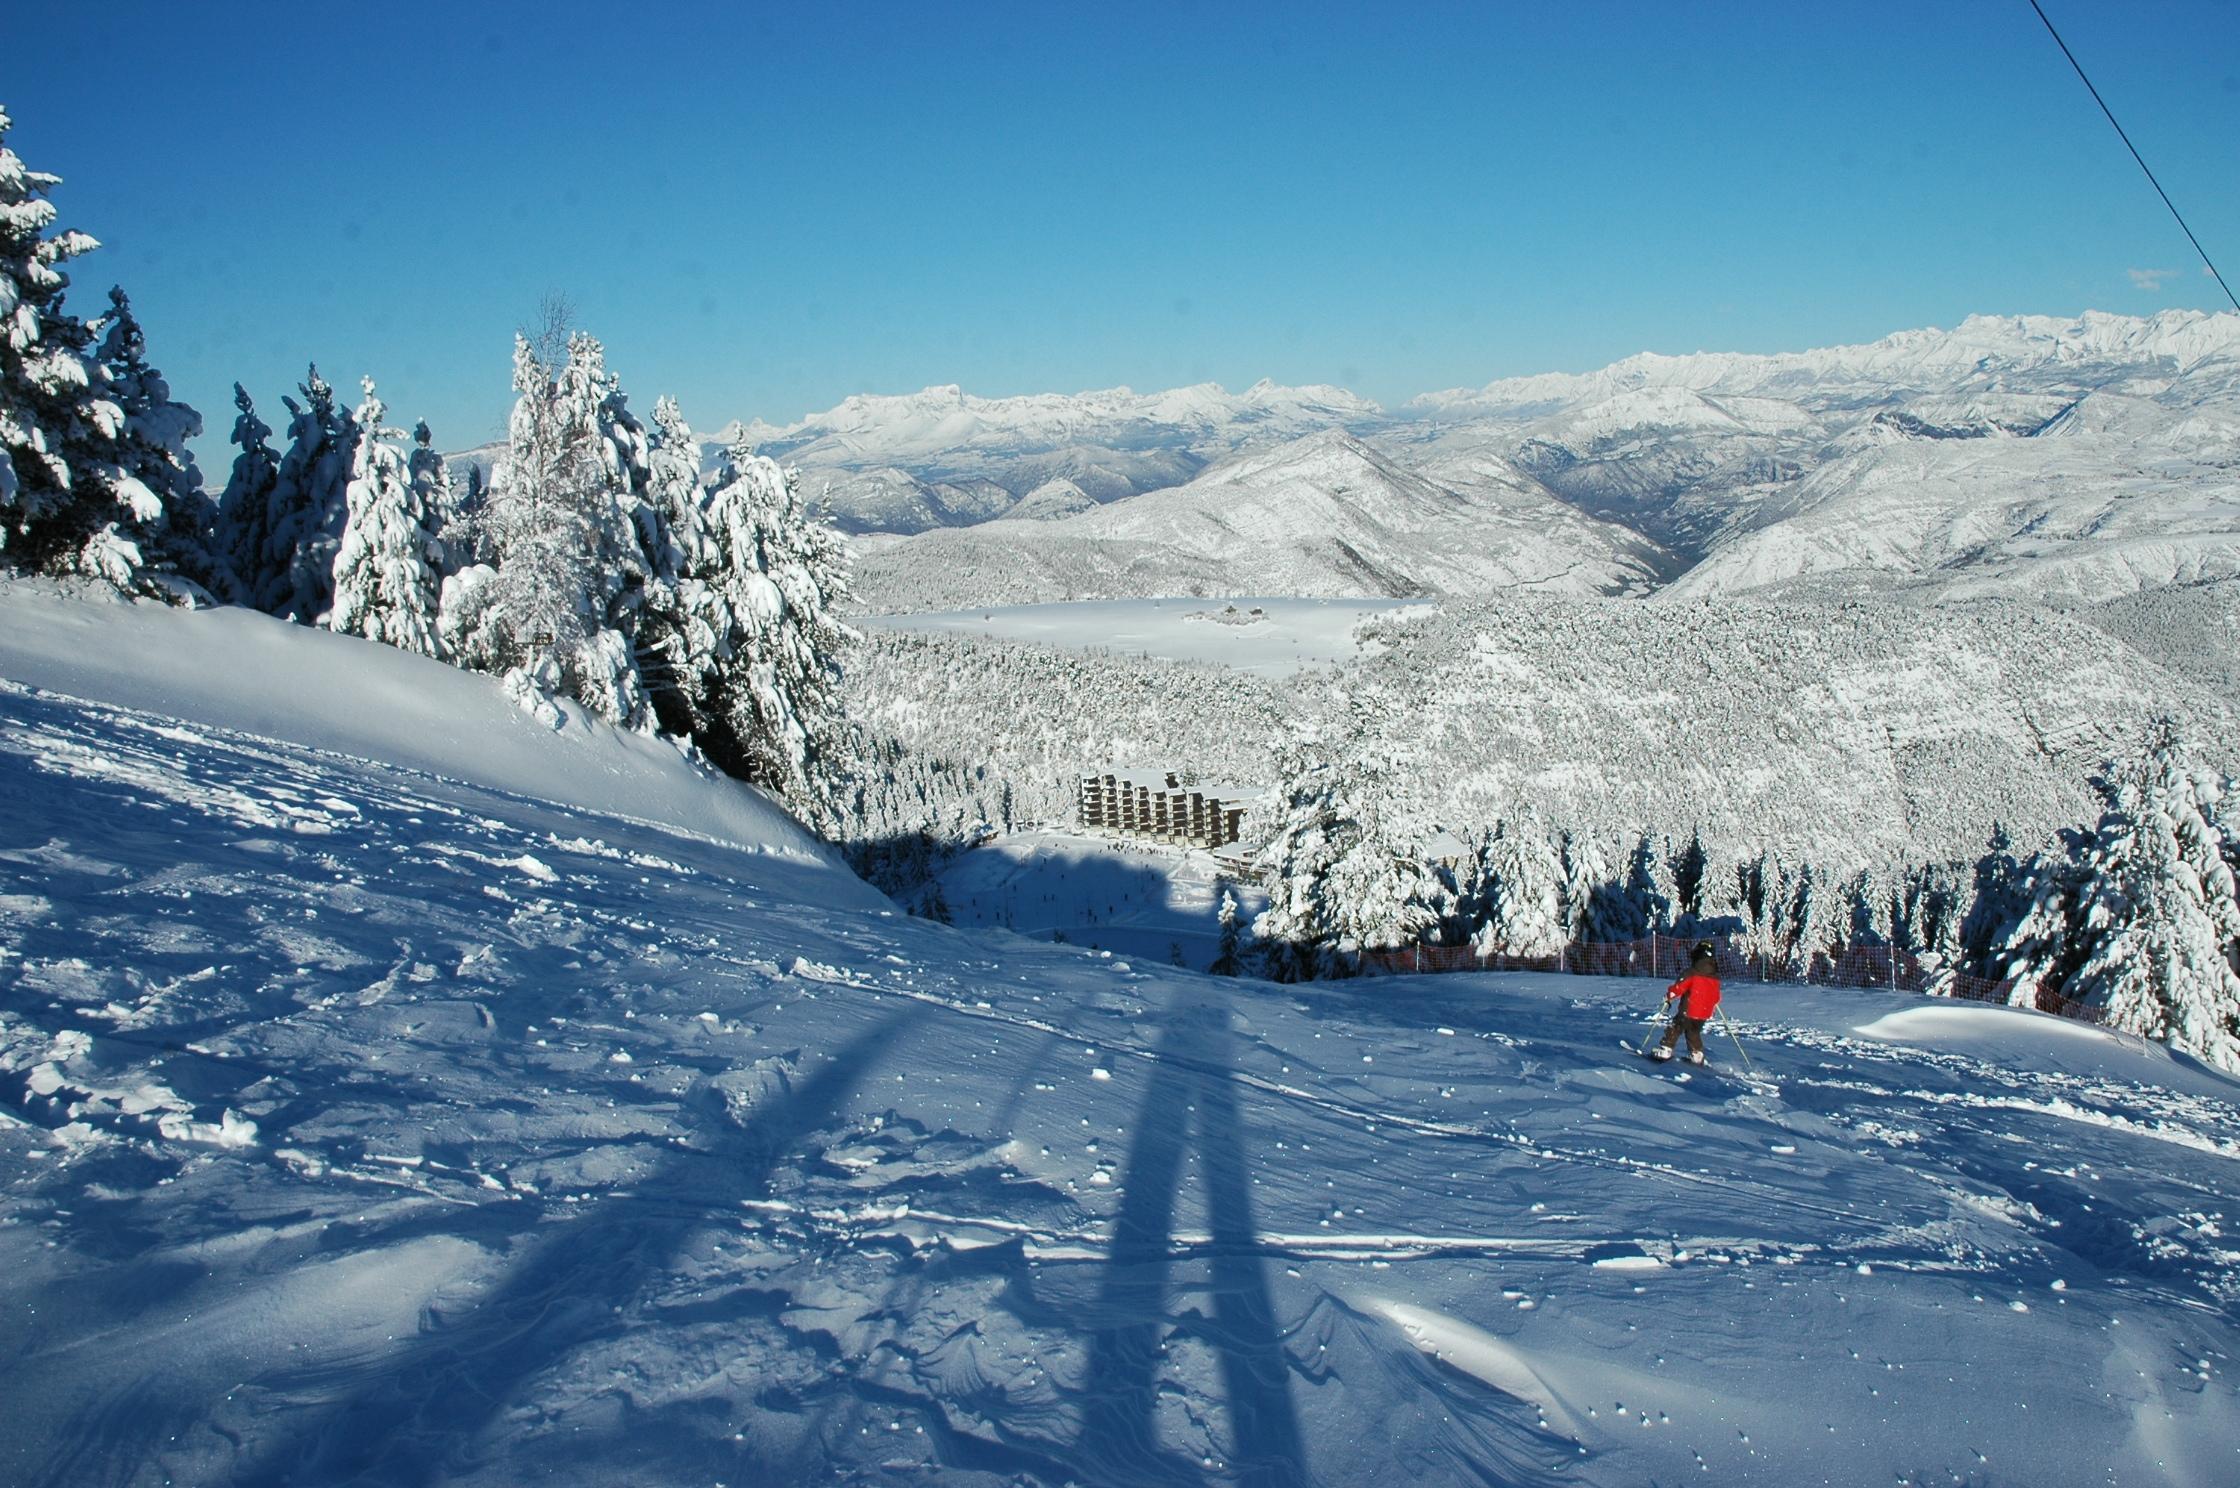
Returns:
(1698, 996)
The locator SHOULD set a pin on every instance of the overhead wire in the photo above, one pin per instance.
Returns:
(2135, 155)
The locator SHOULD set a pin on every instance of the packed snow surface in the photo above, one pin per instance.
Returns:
(373, 1120)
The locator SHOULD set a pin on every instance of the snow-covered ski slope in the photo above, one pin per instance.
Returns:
(375, 1120)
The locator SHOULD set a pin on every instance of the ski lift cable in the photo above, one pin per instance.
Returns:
(2135, 155)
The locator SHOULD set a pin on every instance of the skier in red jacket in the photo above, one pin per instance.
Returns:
(1698, 996)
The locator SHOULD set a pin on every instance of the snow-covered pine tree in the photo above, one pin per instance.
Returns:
(622, 531)
(1867, 906)
(310, 501)
(1228, 961)
(1586, 889)
(244, 530)
(2159, 914)
(1760, 884)
(1819, 915)
(69, 500)
(763, 639)
(676, 646)
(430, 479)
(1527, 878)
(2045, 944)
(1997, 901)
(1299, 928)
(558, 612)
(156, 479)
(1687, 866)
(386, 570)
(467, 516)
(1644, 905)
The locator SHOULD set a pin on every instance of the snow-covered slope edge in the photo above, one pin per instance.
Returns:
(240, 670)
(550, 1158)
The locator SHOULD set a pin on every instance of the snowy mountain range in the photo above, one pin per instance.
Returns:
(2083, 458)
(1323, 515)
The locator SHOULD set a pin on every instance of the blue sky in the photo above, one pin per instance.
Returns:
(762, 210)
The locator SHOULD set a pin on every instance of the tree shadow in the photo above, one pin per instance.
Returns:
(417, 1420)
(1119, 1435)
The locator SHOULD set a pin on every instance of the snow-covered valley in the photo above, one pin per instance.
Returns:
(385, 1107)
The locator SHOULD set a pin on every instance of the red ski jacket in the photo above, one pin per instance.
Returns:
(1699, 996)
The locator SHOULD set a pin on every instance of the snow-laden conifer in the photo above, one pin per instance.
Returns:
(1527, 879)
(1686, 865)
(1643, 905)
(2157, 911)
(760, 594)
(1313, 831)
(430, 478)
(307, 508)
(1586, 888)
(245, 511)
(1228, 959)
(386, 569)
(676, 645)
(2042, 948)
(70, 500)
(155, 480)
(551, 612)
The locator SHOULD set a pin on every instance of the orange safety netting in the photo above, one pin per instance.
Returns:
(1667, 956)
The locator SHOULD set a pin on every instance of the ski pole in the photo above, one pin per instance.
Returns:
(1728, 1024)
(1656, 1018)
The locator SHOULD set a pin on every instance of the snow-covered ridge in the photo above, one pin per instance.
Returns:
(1980, 347)
(1325, 515)
(944, 420)
(250, 674)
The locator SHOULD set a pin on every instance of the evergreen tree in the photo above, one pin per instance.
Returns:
(309, 504)
(467, 518)
(2158, 910)
(386, 569)
(1819, 913)
(1643, 907)
(762, 639)
(1687, 869)
(1527, 878)
(1300, 925)
(558, 612)
(1996, 905)
(244, 529)
(1868, 910)
(1759, 887)
(676, 646)
(72, 496)
(1228, 961)
(1586, 893)
(156, 477)
(430, 479)
(2042, 948)
(624, 535)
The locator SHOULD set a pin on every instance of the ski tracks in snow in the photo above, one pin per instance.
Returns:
(468, 1141)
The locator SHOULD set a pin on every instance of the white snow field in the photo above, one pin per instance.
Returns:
(1266, 637)
(384, 1108)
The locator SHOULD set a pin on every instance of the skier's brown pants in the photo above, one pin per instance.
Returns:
(1692, 1027)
